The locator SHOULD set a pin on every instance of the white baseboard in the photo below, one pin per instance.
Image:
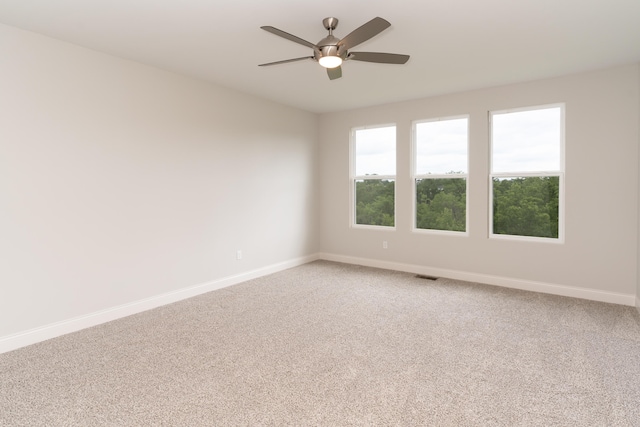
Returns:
(527, 285)
(32, 336)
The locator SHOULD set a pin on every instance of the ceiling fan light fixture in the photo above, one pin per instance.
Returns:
(331, 52)
(330, 61)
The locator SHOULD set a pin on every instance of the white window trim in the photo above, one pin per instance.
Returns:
(415, 176)
(353, 178)
(515, 174)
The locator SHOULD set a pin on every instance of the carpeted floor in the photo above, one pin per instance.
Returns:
(329, 344)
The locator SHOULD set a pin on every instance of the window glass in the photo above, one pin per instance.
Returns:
(375, 202)
(441, 146)
(440, 174)
(526, 141)
(527, 173)
(376, 151)
(526, 206)
(373, 184)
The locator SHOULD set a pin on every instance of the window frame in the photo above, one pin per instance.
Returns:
(353, 178)
(415, 176)
(560, 173)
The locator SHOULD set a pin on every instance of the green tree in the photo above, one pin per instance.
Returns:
(526, 206)
(375, 202)
(441, 204)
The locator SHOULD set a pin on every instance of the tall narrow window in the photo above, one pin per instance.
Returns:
(373, 175)
(527, 172)
(440, 168)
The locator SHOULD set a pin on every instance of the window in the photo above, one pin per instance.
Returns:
(440, 168)
(373, 175)
(527, 172)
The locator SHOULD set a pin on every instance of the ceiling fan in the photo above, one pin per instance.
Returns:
(331, 52)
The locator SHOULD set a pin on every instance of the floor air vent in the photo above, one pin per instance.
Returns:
(424, 276)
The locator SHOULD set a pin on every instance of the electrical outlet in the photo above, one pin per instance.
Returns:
(239, 254)
(384, 244)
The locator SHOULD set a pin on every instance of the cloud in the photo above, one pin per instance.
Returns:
(441, 146)
(376, 151)
(526, 141)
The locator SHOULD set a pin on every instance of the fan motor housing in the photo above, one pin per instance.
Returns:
(328, 46)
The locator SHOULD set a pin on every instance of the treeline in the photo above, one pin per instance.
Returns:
(375, 202)
(524, 206)
(441, 204)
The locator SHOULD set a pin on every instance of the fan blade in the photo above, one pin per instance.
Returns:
(288, 36)
(285, 61)
(334, 73)
(364, 33)
(382, 58)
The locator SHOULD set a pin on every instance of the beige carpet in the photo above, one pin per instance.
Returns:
(329, 344)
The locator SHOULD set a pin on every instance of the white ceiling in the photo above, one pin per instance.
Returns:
(455, 45)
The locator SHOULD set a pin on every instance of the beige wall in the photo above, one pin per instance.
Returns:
(599, 256)
(120, 182)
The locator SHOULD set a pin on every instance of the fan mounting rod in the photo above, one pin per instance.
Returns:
(330, 24)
